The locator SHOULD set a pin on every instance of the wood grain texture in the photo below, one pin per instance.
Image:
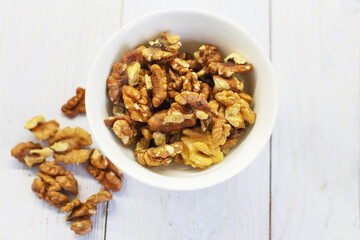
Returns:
(315, 149)
(236, 209)
(46, 50)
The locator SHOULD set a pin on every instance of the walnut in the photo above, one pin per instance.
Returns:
(76, 156)
(81, 213)
(220, 129)
(41, 129)
(229, 68)
(124, 72)
(142, 144)
(190, 82)
(21, 150)
(36, 156)
(154, 157)
(205, 89)
(180, 65)
(231, 83)
(102, 196)
(137, 103)
(159, 83)
(76, 104)
(118, 110)
(110, 177)
(71, 205)
(235, 57)
(123, 127)
(145, 131)
(66, 144)
(238, 109)
(199, 149)
(207, 54)
(39, 187)
(163, 49)
(68, 182)
(232, 140)
(194, 100)
(54, 178)
(159, 138)
(157, 121)
(82, 227)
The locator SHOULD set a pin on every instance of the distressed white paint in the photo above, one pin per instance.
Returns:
(46, 50)
(315, 146)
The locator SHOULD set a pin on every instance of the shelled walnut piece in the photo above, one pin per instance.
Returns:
(177, 97)
(105, 171)
(76, 104)
(81, 213)
(42, 129)
(66, 144)
(53, 179)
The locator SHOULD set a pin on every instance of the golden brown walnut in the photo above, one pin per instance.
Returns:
(76, 156)
(110, 177)
(199, 149)
(159, 138)
(220, 129)
(163, 49)
(207, 54)
(68, 182)
(142, 144)
(237, 108)
(122, 74)
(39, 187)
(162, 155)
(236, 58)
(66, 144)
(71, 205)
(231, 83)
(195, 101)
(205, 89)
(102, 196)
(22, 149)
(159, 83)
(42, 129)
(82, 227)
(54, 178)
(123, 127)
(74, 136)
(52, 168)
(232, 140)
(83, 211)
(145, 131)
(188, 82)
(76, 104)
(37, 156)
(180, 65)
(229, 68)
(137, 103)
(56, 199)
(157, 121)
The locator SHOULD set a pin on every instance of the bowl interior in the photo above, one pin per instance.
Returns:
(195, 28)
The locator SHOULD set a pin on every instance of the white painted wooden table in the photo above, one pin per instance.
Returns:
(304, 184)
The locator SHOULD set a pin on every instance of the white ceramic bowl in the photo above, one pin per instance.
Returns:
(195, 28)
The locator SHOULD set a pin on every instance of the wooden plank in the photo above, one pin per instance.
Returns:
(315, 150)
(46, 51)
(236, 209)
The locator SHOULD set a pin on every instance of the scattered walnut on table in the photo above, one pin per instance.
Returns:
(42, 129)
(37, 156)
(21, 150)
(81, 212)
(66, 144)
(105, 171)
(76, 104)
(54, 178)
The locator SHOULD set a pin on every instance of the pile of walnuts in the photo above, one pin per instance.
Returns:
(185, 108)
(54, 184)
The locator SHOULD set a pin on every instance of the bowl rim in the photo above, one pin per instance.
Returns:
(161, 181)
